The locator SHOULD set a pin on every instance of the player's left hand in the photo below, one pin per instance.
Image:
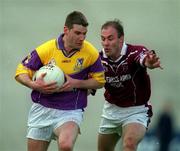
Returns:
(69, 85)
(152, 60)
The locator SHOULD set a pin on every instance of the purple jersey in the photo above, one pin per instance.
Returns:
(127, 81)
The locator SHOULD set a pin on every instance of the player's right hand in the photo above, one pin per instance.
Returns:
(41, 86)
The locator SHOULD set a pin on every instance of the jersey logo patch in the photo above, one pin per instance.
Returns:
(66, 61)
(79, 64)
(125, 66)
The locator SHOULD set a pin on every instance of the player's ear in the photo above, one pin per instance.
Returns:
(121, 39)
(66, 29)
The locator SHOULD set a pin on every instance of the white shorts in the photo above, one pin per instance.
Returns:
(42, 121)
(114, 117)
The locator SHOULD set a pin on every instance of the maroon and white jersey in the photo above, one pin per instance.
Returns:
(127, 81)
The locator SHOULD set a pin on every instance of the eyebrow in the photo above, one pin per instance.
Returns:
(107, 36)
(79, 31)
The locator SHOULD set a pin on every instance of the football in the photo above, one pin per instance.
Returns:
(53, 73)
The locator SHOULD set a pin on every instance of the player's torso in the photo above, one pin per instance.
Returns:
(120, 72)
(125, 78)
(76, 65)
(70, 64)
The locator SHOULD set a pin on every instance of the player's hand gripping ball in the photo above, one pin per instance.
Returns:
(53, 74)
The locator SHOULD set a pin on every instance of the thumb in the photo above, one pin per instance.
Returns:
(43, 75)
(66, 77)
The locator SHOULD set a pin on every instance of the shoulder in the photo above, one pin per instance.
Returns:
(48, 45)
(90, 51)
(45, 50)
(136, 48)
(87, 46)
(137, 53)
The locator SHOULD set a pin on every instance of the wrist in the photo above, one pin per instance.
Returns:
(78, 84)
(32, 85)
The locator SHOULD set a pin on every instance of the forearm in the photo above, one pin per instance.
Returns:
(25, 80)
(89, 84)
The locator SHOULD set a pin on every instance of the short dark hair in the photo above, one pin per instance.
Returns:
(117, 24)
(75, 17)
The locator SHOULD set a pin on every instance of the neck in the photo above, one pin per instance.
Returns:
(66, 45)
(115, 56)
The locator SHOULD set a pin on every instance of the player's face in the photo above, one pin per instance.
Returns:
(111, 43)
(75, 36)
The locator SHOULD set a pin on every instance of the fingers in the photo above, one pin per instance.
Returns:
(65, 87)
(153, 60)
(51, 84)
(152, 56)
(46, 88)
(156, 62)
(161, 67)
(152, 51)
(66, 76)
(50, 88)
(43, 75)
(158, 65)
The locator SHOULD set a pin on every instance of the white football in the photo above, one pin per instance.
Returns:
(53, 74)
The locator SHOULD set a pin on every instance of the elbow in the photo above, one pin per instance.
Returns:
(16, 78)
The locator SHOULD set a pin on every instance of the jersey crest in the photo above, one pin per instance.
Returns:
(79, 64)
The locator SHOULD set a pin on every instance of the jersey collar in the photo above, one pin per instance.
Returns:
(124, 49)
(60, 45)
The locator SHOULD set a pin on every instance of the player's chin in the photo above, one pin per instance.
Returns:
(108, 54)
(78, 47)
